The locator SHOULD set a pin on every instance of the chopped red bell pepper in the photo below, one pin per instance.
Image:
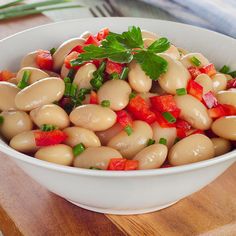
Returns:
(123, 118)
(163, 103)
(70, 57)
(47, 138)
(217, 111)
(229, 109)
(182, 127)
(195, 89)
(44, 60)
(194, 71)
(78, 49)
(131, 165)
(102, 34)
(96, 63)
(5, 75)
(231, 83)
(122, 164)
(113, 67)
(93, 98)
(196, 131)
(92, 40)
(209, 100)
(208, 69)
(139, 108)
(162, 121)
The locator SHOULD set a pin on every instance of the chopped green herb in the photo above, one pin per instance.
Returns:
(67, 89)
(169, 117)
(181, 91)
(67, 80)
(73, 90)
(71, 74)
(52, 51)
(105, 103)
(128, 129)
(1, 120)
(98, 75)
(115, 75)
(195, 61)
(163, 141)
(25, 79)
(78, 149)
(150, 142)
(81, 94)
(46, 127)
(124, 73)
(225, 69)
(132, 95)
(94, 168)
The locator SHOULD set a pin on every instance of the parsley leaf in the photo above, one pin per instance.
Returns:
(159, 45)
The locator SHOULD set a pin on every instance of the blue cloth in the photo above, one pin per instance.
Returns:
(217, 15)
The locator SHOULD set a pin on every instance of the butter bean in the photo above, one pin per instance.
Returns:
(227, 97)
(205, 81)
(30, 60)
(219, 82)
(186, 60)
(64, 71)
(221, 146)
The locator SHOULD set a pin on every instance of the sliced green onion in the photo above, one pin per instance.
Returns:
(128, 129)
(169, 117)
(105, 103)
(12, 3)
(163, 141)
(195, 61)
(96, 82)
(94, 168)
(232, 73)
(150, 142)
(71, 74)
(78, 149)
(181, 91)
(46, 127)
(73, 90)
(102, 67)
(67, 80)
(1, 120)
(124, 73)
(67, 89)
(225, 69)
(25, 79)
(115, 75)
(132, 95)
(82, 92)
(52, 51)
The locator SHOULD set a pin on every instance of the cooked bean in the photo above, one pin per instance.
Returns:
(60, 154)
(225, 127)
(84, 75)
(193, 148)
(227, 97)
(138, 80)
(117, 92)
(148, 41)
(52, 73)
(76, 135)
(169, 134)
(93, 117)
(205, 81)
(42, 92)
(147, 96)
(50, 114)
(228, 77)
(24, 142)
(221, 146)
(85, 35)
(129, 146)
(15, 122)
(177, 75)
(148, 34)
(30, 60)
(151, 157)
(182, 52)
(97, 157)
(35, 74)
(63, 50)
(219, 82)
(13, 81)
(186, 60)
(8, 92)
(193, 111)
(64, 71)
(107, 134)
(173, 52)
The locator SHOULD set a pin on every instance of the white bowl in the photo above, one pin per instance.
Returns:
(120, 192)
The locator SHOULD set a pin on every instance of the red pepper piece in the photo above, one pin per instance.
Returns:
(162, 121)
(209, 100)
(92, 40)
(131, 165)
(229, 109)
(93, 98)
(117, 164)
(102, 34)
(78, 49)
(96, 63)
(70, 57)
(47, 138)
(196, 131)
(113, 67)
(123, 118)
(44, 60)
(208, 69)
(217, 111)
(195, 89)
(182, 127)
(5, 75)
(194, 71)
(163, 103)
(231, 83)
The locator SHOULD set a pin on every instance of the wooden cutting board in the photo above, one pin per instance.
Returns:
(28, 209)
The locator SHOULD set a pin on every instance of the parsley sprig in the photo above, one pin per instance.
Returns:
(128, 46)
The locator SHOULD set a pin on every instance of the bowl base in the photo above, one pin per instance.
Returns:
(122, 212)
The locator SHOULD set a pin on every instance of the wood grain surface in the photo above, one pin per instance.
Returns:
(28, 209)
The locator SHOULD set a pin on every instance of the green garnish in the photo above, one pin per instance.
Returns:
(163, 141)
(225, 69)
(46, 127)
(52, 51)
(150, 142)
(181, 91)
(98, 75)
(78, 149)
(128, 129)
(115, 75)
(25, 79)
(73, 90)
(94, 168)
(67, 89)
(232, 73)
(71, 74)
(124, 73)
(81, 94)
(125, 47)
(67, 80)
(169, 117)
(195, 61)
(1, 120)
(105, 103)
(132, 95)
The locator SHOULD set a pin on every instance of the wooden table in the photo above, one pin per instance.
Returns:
(28, 209)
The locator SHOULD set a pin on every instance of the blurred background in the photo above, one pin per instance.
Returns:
(217, 15)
